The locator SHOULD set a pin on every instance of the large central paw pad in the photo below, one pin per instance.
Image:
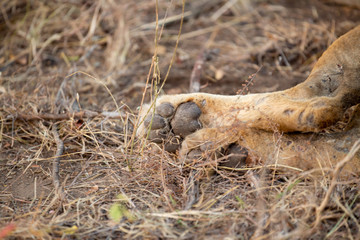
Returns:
(170, 126)
(186, 119)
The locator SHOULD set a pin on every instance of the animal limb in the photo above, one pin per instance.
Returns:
(302, 112)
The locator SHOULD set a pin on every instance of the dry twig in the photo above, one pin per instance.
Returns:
(334, 182)
(56, 160)
(64, 116)
(196, 73)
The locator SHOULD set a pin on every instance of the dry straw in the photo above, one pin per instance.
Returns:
(73, 73)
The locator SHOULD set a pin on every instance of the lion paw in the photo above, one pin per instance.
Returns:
(170, 126)
(180, 128)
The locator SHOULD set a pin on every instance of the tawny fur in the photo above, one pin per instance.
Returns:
(319, 102)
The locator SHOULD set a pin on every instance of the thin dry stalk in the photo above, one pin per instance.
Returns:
(191, 189)
(334, 182)
(56, 160)
(70, 115)
(138, 120)
(44, 41)
(196, 73)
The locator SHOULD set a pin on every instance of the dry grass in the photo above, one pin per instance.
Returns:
(110, 46)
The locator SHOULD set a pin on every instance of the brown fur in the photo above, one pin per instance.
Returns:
(331, 88)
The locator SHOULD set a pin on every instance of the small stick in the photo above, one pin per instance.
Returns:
(64, 116)
(164, 21)
(334, 181)
(196, 73)
(56, 161)
(249, 82)
(192, 188)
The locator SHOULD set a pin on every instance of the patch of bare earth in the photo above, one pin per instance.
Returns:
(73, 74)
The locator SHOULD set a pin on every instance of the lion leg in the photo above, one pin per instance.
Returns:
(332, 87)
(320, 101)
(305, 151)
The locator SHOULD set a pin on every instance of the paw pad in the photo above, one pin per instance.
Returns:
(157, 121)
(170, 126)
(186, 119)
(165, 110)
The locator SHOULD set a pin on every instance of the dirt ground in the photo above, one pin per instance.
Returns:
(75, 72)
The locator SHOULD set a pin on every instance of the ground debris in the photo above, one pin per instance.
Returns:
(105, 50)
